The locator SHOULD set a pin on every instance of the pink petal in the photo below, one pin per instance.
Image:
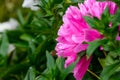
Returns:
(64, 50)
(80, 47)
(70, 60)
(81, 68)
(118, 38)
(92, 34)
(112, 7)
(79, 38)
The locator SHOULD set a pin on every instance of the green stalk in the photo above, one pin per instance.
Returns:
(93, 74)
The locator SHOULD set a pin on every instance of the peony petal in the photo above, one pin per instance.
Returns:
(91, 34)
(80, 47)
(112, 7)
(70, 60)
(81, 67)
(118, 37)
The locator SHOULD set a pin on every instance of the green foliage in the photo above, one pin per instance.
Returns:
(109, 70)
(117, 2)
(94, 23)
(8, 9)
(34, 37)
(50, 61)
(4, 49)
(55, 71)
(4, 45)
(34, 56)
(30, 74)
(94, 45)
(110, 60)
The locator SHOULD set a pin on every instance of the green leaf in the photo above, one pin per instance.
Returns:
(105, 14)
(29, 19)
(68, 70)
(30, 74)
(116, 17)
(20, 17)
(109, 70)
(115, 76)
(108, 46)
(4, 45)
(105, 17)
(102, 62)
(91, 22)
(48, 74)
(2, 61)
(77, 1)
(94, 23)
(50, 61)
(27, 37)
(41, 78)
(94, 45)
(109, 60)
(60, 64)
(106, 11)
(32, 47)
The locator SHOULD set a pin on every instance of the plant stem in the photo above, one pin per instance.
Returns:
(93, 74)
(105, 53)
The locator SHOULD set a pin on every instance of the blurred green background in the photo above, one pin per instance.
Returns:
(9, 8)
(34, 56)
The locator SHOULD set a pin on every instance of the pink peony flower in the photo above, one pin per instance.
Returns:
(71, 36)
(75, 31)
